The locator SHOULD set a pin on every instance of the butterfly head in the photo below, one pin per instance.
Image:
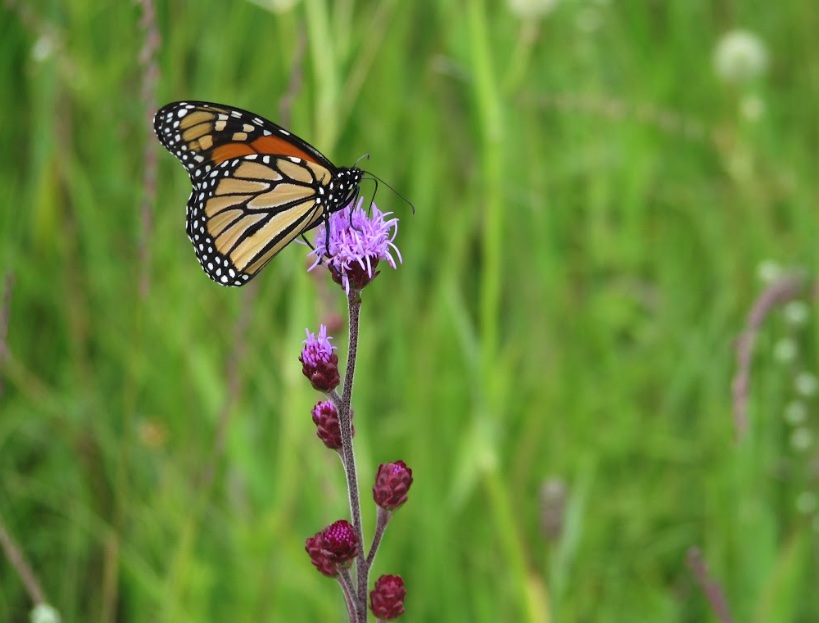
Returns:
(345, 188)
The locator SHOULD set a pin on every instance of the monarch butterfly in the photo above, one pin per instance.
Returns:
(256, 186)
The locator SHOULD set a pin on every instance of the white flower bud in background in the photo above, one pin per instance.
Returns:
(43, 613)
(768, 271)
(43, 48)
(805, 384)
(532, 8)
(796, 412)
(785, 350)
(796, 313)
(740, 56)
(801, 439)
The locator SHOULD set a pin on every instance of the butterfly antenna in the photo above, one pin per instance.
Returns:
(377, 179)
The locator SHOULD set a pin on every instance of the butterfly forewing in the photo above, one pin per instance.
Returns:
(199, 133)
(256, 186)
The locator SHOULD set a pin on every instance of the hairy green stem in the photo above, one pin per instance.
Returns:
(384, 517)
(345, 424)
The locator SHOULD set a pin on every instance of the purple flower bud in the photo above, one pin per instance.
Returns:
(324, 563)
(387, 598)
(357, 243)
(392, 482)
(325, 417)
(333, 548)
(340, 541)
(318, 361)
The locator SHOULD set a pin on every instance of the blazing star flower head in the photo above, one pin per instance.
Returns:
(392, 483)
(325, 417)
(340, 541)
(318, 361)
(325, 564)
(387, 598)
(333, 548)
(357, 242)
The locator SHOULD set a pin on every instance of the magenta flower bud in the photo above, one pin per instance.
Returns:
(387, 598)
(325, 417)
(356, 244)
(320, 559)
(340, 541)
(392, 482)
(333, 548)
(318, 361)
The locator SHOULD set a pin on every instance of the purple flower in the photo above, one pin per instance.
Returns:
(326, 564)
(357, 242)
(318, 361)
(325, 417)
(333, 548)
(387, 598)
(340, 541)
(392, 482)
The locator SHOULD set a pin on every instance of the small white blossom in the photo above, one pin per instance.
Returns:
(785, 350)
(801, 439)
(805, 384)
(43, 613)
(796, 412)
(532, 8)
(43, 48)
(768, 271)
(740, 56)
(796, 313)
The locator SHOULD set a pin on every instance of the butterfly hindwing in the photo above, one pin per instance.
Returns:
(246, 210)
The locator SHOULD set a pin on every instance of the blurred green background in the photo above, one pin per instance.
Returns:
(601, 196)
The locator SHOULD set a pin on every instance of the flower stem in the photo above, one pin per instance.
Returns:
(345, 423)
(18, 562)
(381, 525)
(346, 583)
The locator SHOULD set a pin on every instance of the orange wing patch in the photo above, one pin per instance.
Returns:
(231, 150)
(268, 145)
